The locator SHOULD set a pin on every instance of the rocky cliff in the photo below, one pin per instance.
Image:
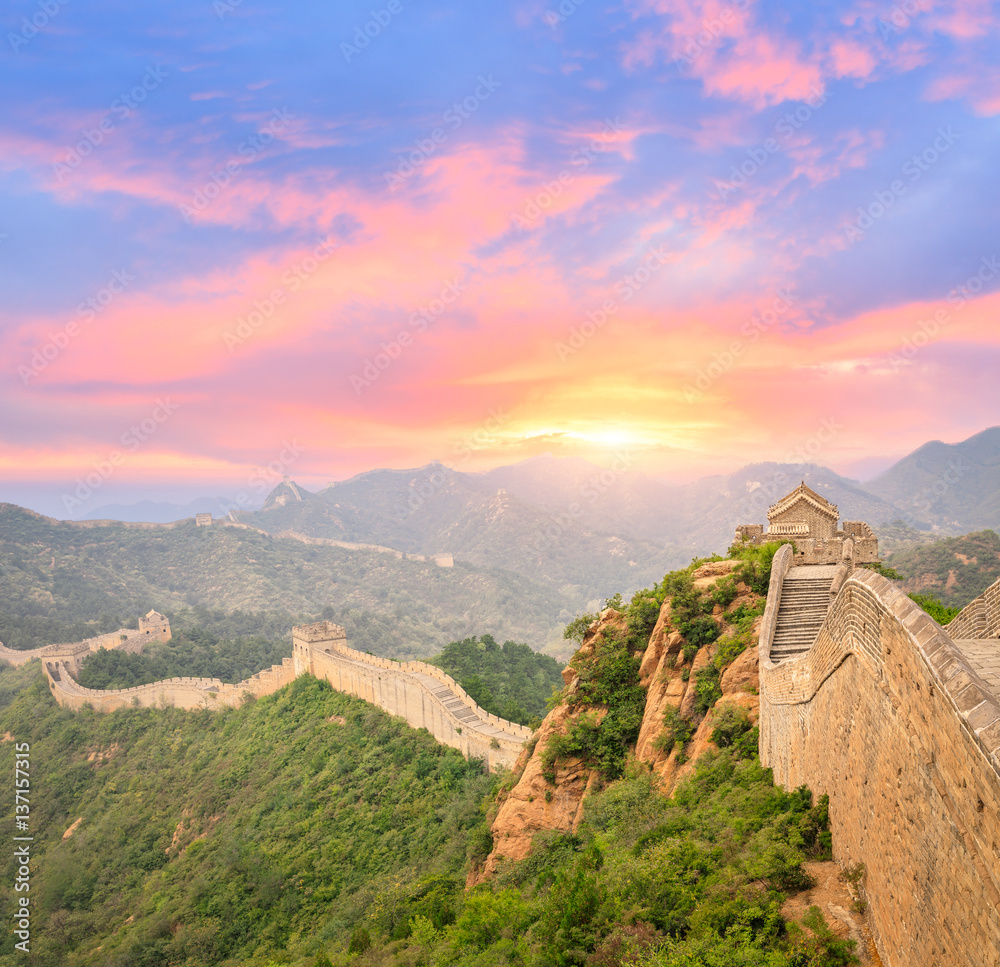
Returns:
(676, 725)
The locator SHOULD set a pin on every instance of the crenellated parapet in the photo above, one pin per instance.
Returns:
(421, 694)
(898, 720)
(980, 618)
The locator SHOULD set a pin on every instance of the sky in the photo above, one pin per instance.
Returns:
(241, 237)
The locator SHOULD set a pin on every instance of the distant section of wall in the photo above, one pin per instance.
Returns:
(152, 625)
(189, 693)
(421, 694)
(886, 715)
(980, 618)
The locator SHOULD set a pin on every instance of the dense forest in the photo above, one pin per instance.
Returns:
(511, 680)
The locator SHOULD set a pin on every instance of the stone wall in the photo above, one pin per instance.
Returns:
(124, 639)
(886, 716)
(421, 694)
(980, 618)
(404, 689)
(189, 693)
(821, 525)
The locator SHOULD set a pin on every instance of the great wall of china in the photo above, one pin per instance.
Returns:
(421, 694)
(898, 720)
(863, 696)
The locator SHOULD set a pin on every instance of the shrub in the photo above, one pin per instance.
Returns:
(731, 723)
(941, 613)
(707, 689)
(757, 560)
(676, 730)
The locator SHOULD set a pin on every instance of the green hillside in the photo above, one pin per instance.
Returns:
(207, 838)
(954, 570)
(310, 829)
(64, 582)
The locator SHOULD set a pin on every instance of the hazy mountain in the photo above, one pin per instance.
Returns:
(56, 575)
(954, 570)
(956, 486)
(704, 514)
(433, 509)
(565, 522)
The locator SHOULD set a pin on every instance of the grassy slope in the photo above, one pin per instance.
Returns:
(205, 837)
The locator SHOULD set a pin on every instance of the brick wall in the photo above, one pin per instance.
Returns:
(886, 716)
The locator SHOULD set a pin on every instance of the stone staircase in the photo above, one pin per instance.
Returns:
(805, 600)
(450, 701)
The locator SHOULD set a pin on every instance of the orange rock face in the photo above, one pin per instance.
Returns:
(534, 804)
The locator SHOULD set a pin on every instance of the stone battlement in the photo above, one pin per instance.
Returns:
(888, 715)
(421, 694)
(151, 625)
(811, 521)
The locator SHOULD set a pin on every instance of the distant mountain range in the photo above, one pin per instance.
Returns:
(534, 544)
(953, 486)
(554, 518)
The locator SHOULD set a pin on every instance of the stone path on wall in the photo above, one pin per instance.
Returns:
(983, 655)
(805, 601)
(450, 701)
